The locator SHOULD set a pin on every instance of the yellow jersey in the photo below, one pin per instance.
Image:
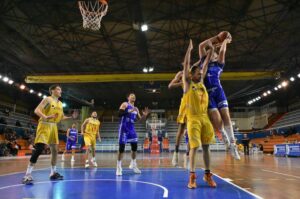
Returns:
(53, 107)
(196, 100)
(92, 127)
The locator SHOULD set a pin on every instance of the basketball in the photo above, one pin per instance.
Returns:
(103, 1)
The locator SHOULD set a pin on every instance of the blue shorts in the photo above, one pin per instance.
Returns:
(186, 139)
(127, 136)
(217, 98)
(70, 145)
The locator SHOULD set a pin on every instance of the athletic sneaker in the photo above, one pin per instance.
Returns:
(56, 176)
(63, 157)
(131, 165)
(186, 162)
(119, 171)
(136, 169)
(87, 164)
(209, 180)
(94, 163)
(175, 159)
(234, 152)
(192, 181)
(27, 179)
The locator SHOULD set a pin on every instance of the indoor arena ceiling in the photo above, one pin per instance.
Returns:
(46, 37)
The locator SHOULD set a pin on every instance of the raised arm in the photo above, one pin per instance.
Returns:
(186, 67)
(205, 43)
(145, 112)
(221, 58)
(210, 52)
(177, 81)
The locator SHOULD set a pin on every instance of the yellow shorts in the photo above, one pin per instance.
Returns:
(200, 131)
(89, 140)
(181, 118)
(46, 133)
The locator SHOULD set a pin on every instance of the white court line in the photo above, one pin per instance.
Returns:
(298, 177)
(165, 195)
(23, 172)
(252, 194)
(91, 169)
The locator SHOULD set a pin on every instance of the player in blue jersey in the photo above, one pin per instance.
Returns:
(72, 139)
(218, 105)
(129, 114)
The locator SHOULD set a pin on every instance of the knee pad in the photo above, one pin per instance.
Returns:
(134, 147)
(39, 147)
(121, 148)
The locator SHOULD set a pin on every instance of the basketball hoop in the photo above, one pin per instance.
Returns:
(92, 13)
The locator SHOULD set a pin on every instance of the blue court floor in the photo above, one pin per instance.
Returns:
(102, 183)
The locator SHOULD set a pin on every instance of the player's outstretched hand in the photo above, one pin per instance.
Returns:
(146, 111)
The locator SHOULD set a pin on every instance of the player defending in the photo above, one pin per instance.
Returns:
(200, 130)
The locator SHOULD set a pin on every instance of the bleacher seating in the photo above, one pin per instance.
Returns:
(22, 118)
(269, 142)
(289, 119)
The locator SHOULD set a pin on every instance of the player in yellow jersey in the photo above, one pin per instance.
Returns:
(50, 111)
(181, 118)
(199, 127)
(89, 130)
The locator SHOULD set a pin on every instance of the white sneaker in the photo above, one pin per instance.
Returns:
(63, 157)
(87, 165)
(72, 159)
(136, 170)
(94, 163)
(119, 171)
(234, 152)
(175, 159)
(131, 165)
(27, 179)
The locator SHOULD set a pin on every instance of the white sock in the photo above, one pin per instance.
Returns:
(133, 162)
(86, 161)
(230, 134)
(29, 170)
(225, 136)
(119, 163)
(53, 170)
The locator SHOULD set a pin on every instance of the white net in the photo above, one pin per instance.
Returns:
(92, 13)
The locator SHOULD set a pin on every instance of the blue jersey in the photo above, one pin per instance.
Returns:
(214, 70)
(217, 97)
(128, 120)
(127, 132)
(73, 134)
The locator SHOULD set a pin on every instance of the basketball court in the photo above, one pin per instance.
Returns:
(101, 78)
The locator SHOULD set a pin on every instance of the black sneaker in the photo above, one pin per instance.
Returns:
(27, 180)
(56, 176)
